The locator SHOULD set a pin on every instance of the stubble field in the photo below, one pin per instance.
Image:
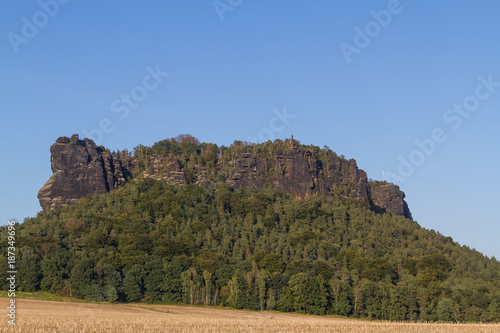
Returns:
(49, 316)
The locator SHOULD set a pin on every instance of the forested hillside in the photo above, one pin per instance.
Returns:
(260, 249)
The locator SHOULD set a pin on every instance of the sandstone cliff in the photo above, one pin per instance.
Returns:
(299, 172)
(390, 198)
(81, 168)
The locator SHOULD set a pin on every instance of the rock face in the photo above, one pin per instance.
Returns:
(346, 179)
(390, 198)
(300, 173)
(293, 171)
(167, 168)
(80, 168)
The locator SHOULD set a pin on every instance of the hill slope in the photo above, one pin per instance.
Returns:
(255, 247)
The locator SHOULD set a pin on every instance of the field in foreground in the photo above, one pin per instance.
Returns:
(49, 316)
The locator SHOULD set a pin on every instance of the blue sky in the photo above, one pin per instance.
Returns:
(234, 65)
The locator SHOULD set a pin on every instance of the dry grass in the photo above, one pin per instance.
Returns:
(49, 316)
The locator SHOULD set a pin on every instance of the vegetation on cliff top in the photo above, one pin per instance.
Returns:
(215, 160)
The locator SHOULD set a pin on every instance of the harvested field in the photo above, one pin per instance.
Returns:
(49, 316)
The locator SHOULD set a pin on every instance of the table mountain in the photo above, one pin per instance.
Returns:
(81, 168)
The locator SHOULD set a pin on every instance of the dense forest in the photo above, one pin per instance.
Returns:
(259, 249)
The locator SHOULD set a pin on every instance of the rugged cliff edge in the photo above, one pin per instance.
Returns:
(390, 198)
(81, 168)
(298, 171)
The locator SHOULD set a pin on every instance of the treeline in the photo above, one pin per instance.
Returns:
(212, 161)
(252, 249)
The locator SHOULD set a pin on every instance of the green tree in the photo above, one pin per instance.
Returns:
(341, 294)
(80, 277)
(444, 309)
(133, 283)
(93, 293)
(110, 293)
(55, 271)
(172, 283)
(300, 287)
(232, 291)
(29, 269)
(262, 278)
(320, 295)
(153, 279)
(191, 286)
(371, 299)
(207, 277)
(272, 263)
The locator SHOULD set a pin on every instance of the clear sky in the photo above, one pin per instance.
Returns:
(366, 78)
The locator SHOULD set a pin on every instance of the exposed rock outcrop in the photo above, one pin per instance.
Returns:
(249, 172)
(391, 199)
(346, 179)
(299, 172)
(80, 168)
(293, 171)
(167, 168)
